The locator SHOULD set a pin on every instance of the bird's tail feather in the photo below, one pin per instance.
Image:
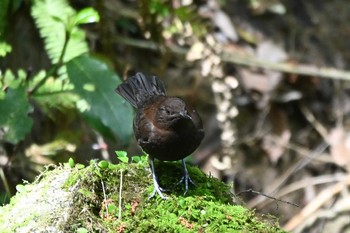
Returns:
(138, 88)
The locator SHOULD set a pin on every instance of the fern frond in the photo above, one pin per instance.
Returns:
(52, 19)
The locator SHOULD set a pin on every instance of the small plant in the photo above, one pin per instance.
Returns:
(122, 156)
(74, 81)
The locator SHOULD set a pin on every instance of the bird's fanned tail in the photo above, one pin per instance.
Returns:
(138, 88)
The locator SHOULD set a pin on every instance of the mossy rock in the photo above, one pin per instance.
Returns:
(88, 199)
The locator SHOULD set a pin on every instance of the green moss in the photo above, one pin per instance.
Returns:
(207, 207)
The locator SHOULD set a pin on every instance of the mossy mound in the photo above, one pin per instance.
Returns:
(88, 199)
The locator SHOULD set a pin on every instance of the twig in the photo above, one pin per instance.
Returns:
(315, 204)
(4, 180)
(120, 194)
(291, 170)
(302, 69)
(268, 196)
(104, 196)
(308, 70)
(314, 122)
(307, 182)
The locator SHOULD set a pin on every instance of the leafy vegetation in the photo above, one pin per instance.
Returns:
(100, 106)
(75, 80)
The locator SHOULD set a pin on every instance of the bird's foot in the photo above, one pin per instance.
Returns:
(159, 190)
(187, 179)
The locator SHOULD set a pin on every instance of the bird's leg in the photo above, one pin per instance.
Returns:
(186, 177)
(157, 188)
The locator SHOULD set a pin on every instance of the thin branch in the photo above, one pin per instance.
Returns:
(314, 122)
(322, 72)
(4, 181)
(316, 204)
(268, 196)
(274, 186)
(309, 181)
(301, 69)
(120, 195)
(104, 197)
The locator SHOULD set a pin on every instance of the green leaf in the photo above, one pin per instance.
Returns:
(124, 159)
(112, 208)
(54, 93)
(136, 159)
(103, 164)
(87, 15)
(13, 81)
(71, 162)
(139, 159)
(52, 18)
(14, 119)
(5, 48)
(122, 156)
(112, 166)
(20, 188)
(80, 166)
(107, 111)
(82, 230)
(121, 153)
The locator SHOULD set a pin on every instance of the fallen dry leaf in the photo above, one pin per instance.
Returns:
(339, 142)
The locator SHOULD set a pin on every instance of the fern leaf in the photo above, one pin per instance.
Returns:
(52, 19)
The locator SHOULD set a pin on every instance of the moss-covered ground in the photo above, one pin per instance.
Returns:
(114, 198)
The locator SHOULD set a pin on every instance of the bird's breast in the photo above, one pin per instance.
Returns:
(163, 139)
(167, 144)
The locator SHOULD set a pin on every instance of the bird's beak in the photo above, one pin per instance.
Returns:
(184, 114)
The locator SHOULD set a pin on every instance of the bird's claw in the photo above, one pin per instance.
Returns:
(187, 180)
(186, 177)
(159, 190)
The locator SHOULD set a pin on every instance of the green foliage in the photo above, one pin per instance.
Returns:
(82, 230)
(14, 119)
(89, 88)
(56, 21)
(5, 48)
(159, 7)
(103, 108)
(86, 15)
(112, 209)
(52, 93)
(139, 159)
(122, 156)
(103, 164)
(71, 162)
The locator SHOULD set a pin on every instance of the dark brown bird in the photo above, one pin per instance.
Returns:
(165, 127)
